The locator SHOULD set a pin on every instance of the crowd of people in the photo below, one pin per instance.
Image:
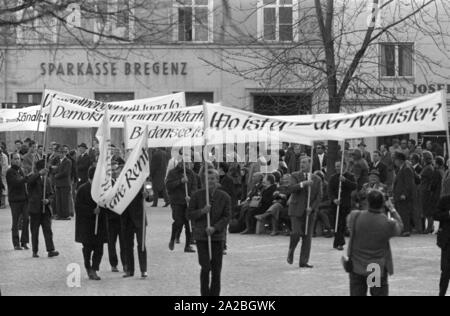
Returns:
(246, 199)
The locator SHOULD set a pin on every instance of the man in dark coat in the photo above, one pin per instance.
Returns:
(299, 187)
(360, 168)
(348, 186)
(418, 204)
(83, 164)
(404, 190)
(86, 210)
(176, 186)
(158, 170)
(133, 225)
(115, 231)
(266, 201)
(293, 158)
(39, 210)
(18, 200)
(62, 176)
(380, 166)
(320, 159)
(227, 183)
(430, 190)
(220, 215)
(94, 152)
(443, 240)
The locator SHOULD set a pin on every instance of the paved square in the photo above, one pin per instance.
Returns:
(255, 266)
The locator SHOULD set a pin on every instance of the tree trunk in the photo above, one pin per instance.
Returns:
(334, 106)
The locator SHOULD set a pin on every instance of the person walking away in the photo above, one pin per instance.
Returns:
(369, 245)
(443, 241)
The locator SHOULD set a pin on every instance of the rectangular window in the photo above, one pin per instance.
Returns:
(197, 98)
(113, 96)
(194, 20)
(396, 60)
(274, 104)
(405, 60)
(114, 19)
(277, 20)
(27, 19)
(29, 98)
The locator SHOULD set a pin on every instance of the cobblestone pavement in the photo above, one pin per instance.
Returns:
(255, 265)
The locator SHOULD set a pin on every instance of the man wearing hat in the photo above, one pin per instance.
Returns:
(404, 190)
(62, 181)
(83, 164)
(39, 210)
(373, 184)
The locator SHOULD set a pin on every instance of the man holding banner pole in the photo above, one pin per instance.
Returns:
(180, 183)
(309, 210)
(341, 186)
(301, 204)
(210, 212)
(134, 222)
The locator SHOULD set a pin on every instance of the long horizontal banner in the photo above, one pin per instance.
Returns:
(229, 125)
(420, 115)
(18, 120)
(77, 112)
(161, 103)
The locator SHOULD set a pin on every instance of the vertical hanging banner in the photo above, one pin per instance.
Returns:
(131, 180)
(102, 182)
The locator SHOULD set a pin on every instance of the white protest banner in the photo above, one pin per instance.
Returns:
(161, 103)
(227, 126)
(102, 182)
(424, 114)
(66, 115)
(131, 180)
(25, 119)
(163, 134)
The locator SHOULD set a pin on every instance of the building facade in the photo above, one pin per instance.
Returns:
(217, 51)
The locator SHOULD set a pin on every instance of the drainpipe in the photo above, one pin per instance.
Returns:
(5, 73)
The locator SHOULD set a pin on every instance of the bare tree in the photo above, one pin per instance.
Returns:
(54, 24)
(336, 50)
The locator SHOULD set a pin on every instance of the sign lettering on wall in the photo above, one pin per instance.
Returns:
(81, 69)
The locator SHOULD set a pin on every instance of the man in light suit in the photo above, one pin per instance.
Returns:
(300, 185)
(30, 158)
(62, 178)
